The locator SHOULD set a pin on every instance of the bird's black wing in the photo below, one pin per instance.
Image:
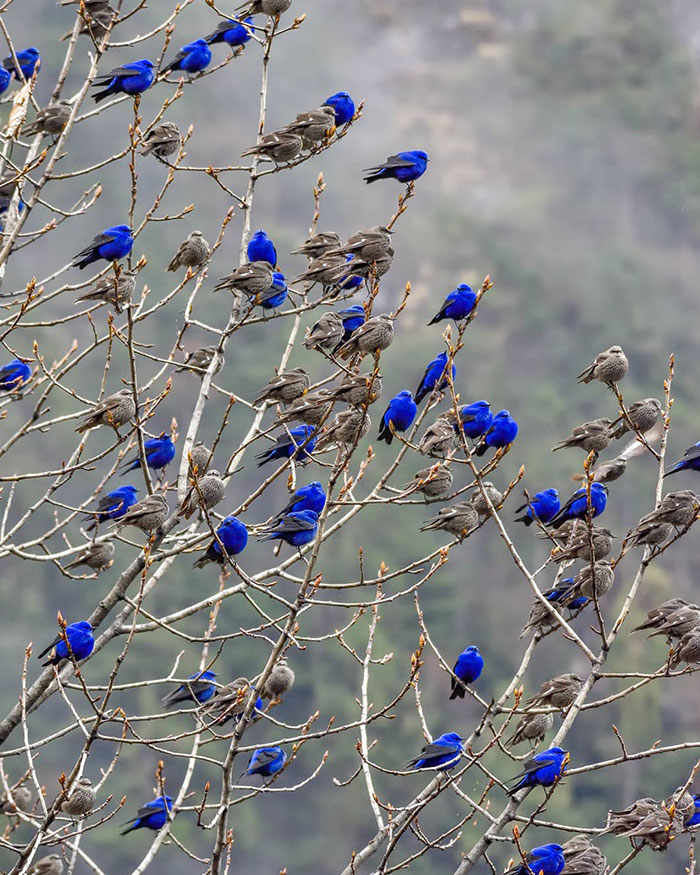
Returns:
(692, 453)
(294, 524)
(51, 646)
(98, 241)
(265, 757)
(434, 750)
(121, 72)
(530, 766)
(393, 161)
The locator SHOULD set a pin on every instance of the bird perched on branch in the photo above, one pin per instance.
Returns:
(116, 410)
(77, 637)
(582, 857)
(14, 375)
(261, 248)
(559, 692)
(81, 800)
(375, 335)
(280, 681)
(116, 291)
(499, 435)
(252, 278)
(98, 557)
(644, 822)
(198, 361)
(264, 7)
(457, 305)
(608, 367)
(162, 141)
(21, 800)
(312, 408)
(309, 497)
(343, 107)
(29, 60)
(398, 416)
(296, 528)
(545, 860)
(352, 318)
(439, 438)
(198, 687)
(234, 32)
(153, 815)
(50, 120)
(326, 333)
(657, 616)
(232, 534)
(314, 127)
(689, 462)
(359, 391)
(279, 146)
(457, 519)
(131, 79)
(478, 501)
(469, 665)
(147, 515)
(433, 482)
(159, 453)
(585, 545)
(318, 245)
(543, 507)
(676, 511)
(642, 414)
(348, 427)
(532, 728)
(543, 770)
(404, 167)
(113, 505)
(298, 444)
(577, 507)
(285, 387)
(51, 865)
(209, 492)
(435, 376)
(441, 754)
(111, 245)
(266, 761)
(593, 436)
(192, 58)
(199, 459)
(473, 419)
(192, 252)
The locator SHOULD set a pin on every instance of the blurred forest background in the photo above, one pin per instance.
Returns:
(565, 161)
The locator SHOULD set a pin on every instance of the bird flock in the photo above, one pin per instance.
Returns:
(347, 336)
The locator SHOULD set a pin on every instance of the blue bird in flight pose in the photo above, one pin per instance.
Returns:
(28, 59)
(544, 507)
(545, 860)
(153, 815)
(689, 462)
(266, 761)
(159, 453)
(576, 507)
(296, 528)
(543, 770)
(400, 413)
(13, 375)
(284, 448)
(469, 665)
(232, 534)
(261, 248)
(81, 642)
(404, 166)
(233, 31)
(112, 244)
(457, 305)
(199, 688)
(343, 105)
(310, 497)
(192, 58)
(132, 79)
(501, 433)
(435, 373)
(443, 754)
(112, 505)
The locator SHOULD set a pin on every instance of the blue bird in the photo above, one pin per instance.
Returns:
(266, 761)
(112, 244)
(192, 58)
(560, 592)
(543, 770)
(545, 860)
(576, 508)
(404, 166)
(689, 462)
(469, 665)
(276, 295)
(198, 688)
(544, 507)
(130, 79)
(286, 448)
(232, 31)
(435, 373)
(694, 818)
(457, 305)
(113, 505)
(28, 59)
(350, 281)
(343, 105)
(5, 78)
(296, 528)
(232, 534)
(159, 453)
(501, 433)
(153, 815)
(444, 753)
(352, 318)
(261, 248)
(13, 375)
(310, 497)
(475, 419)
(81, 642)
(400, 413)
